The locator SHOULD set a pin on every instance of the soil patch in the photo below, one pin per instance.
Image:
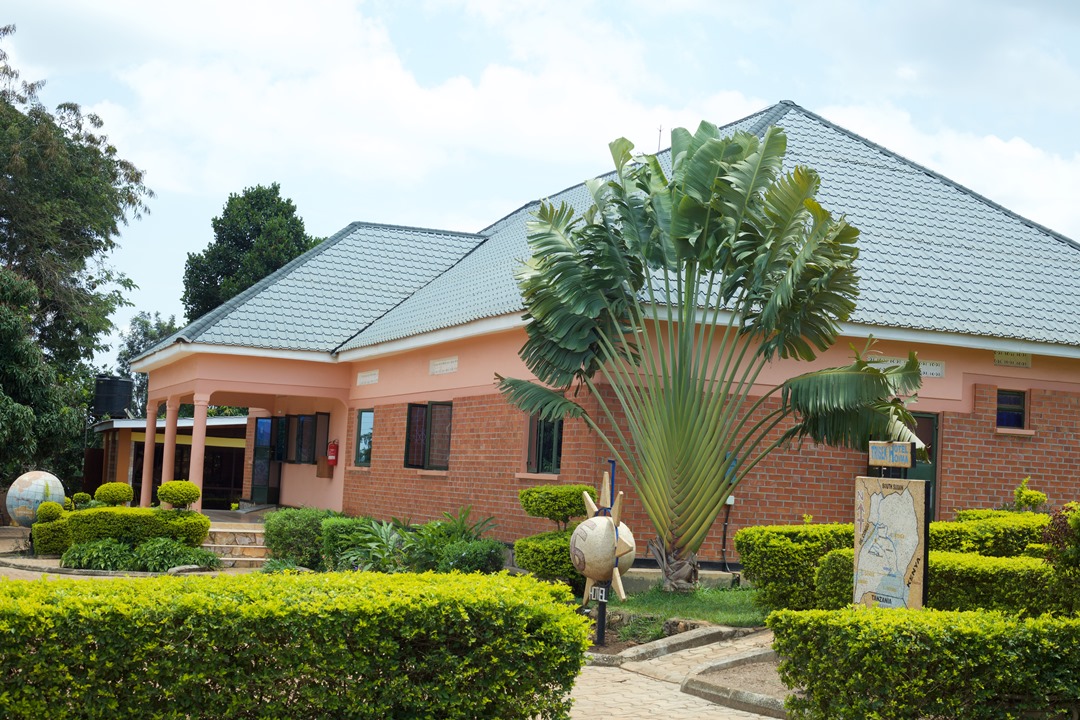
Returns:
(759, 677)
(613, 646)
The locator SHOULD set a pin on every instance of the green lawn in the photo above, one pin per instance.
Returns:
(733, 607)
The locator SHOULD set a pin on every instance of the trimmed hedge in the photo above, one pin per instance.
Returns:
(780, 560)
(295, 535)
(957, 581)
(355, 645)
(473, 556)
(179, 493)
(136, 525)
(114, 493)
(1005, 535)
(904, 665)
(557, 503)
(49, 511)
(547, 556)
(51, 538)
(981, 514)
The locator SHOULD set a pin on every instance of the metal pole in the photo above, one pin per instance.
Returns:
(601, 612)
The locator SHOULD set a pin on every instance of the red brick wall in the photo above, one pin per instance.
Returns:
(977, 468)
(980, 467)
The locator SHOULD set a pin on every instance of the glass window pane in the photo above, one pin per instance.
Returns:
(293, 434)
(307, 438)
(415, 436)
(365, 424)
(262, 432)
(439, 437)
(1010, 409)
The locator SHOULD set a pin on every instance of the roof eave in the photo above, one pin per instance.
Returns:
(181, 349)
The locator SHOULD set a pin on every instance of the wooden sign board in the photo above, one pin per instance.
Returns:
(891, 541)
(892, 454)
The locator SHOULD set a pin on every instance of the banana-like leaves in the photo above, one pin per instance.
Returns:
(667, 299)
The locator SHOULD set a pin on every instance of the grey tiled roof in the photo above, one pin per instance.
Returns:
(934, 256)
(324, 297)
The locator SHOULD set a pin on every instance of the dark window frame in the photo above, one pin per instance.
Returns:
(357, 460)
(424, 414)
(305, 437)
(1012, 411)
(545, 446)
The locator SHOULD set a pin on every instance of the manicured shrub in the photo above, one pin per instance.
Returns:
(49, 511)
(178, 493)
(1026, 499)
(161, 554)
(69, 504)
(473, 556)
(547, 556)
(295, 535)
(981, 514)
(105, 554)
(1003, 535)
(136, 525)
(958, 581)
(780, 560)
(557, 503)
(52, 538)
(114, 493)
(900, 664)
(81, 500)
(341, 645)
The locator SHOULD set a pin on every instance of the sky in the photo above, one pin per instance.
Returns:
(450, 114)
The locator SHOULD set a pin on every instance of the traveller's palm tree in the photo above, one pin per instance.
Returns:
(668, 299)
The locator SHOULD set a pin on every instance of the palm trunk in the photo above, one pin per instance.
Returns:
(680, 573)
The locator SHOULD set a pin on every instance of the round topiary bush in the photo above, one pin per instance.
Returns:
(69, 504)
(114, 493)
(81, 500)
(178, 493)
(557, 503)
(49, 512)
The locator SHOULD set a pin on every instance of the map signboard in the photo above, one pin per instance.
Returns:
(890, 542)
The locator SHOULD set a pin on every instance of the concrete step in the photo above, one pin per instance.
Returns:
(242, 562)
(237, 544)
(218, 536)
(237, 551)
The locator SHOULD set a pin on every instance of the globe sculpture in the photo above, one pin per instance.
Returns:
(30, 490)
(602, 547)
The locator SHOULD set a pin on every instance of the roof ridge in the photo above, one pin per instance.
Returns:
(938, 176)
(414, 228)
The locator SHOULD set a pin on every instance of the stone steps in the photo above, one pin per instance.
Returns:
(239, 545)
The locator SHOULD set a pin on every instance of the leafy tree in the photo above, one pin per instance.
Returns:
(665, 303)
(257, 233)
(143, 333)
(63, 194)
(34, 406)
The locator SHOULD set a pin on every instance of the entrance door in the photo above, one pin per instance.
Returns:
(266, 466)
(926, 428)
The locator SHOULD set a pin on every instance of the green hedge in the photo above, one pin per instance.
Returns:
(52, 538)
(472, 556)
(339, 534)
(136, 525)
(904, 665)
(958, 581)
(981, 514)
(557, 503)
(780, 560)
(342, 645)
(999, 535)
(295, 535)
(114, 493)
(179, 493)
(547, 556)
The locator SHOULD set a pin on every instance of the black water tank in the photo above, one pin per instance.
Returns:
(112, 396)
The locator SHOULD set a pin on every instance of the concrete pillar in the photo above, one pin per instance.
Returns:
(168, 453)
(198, 445)
(146, 496)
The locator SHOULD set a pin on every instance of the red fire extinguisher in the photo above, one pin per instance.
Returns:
(331, 453)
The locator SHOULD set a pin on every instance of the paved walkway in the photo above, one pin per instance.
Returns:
(650, 688)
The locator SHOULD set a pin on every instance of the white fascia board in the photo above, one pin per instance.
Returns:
(476, 328)
(974, 342)
(180, 350)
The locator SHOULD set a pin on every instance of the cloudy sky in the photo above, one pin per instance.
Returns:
(453, 113)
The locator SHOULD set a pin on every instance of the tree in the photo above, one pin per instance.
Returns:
(34, 407)
(667, 300)
(64, 193)
(143, 333)
(257, 233)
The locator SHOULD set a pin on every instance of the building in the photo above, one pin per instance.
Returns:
(386, 340)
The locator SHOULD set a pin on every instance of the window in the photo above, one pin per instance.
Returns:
(305, 437)
(1011, 409)
(545, 445)
(365, 424)
(427, 436)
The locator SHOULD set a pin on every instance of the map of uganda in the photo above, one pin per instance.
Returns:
(889, 542)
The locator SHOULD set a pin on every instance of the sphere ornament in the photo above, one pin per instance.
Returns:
(30, 490)
(602, 547)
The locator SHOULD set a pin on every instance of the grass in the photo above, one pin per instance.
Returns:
(733, 607)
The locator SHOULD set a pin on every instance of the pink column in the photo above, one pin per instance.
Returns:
(146, 495)
(168, 453)
(198, 446)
